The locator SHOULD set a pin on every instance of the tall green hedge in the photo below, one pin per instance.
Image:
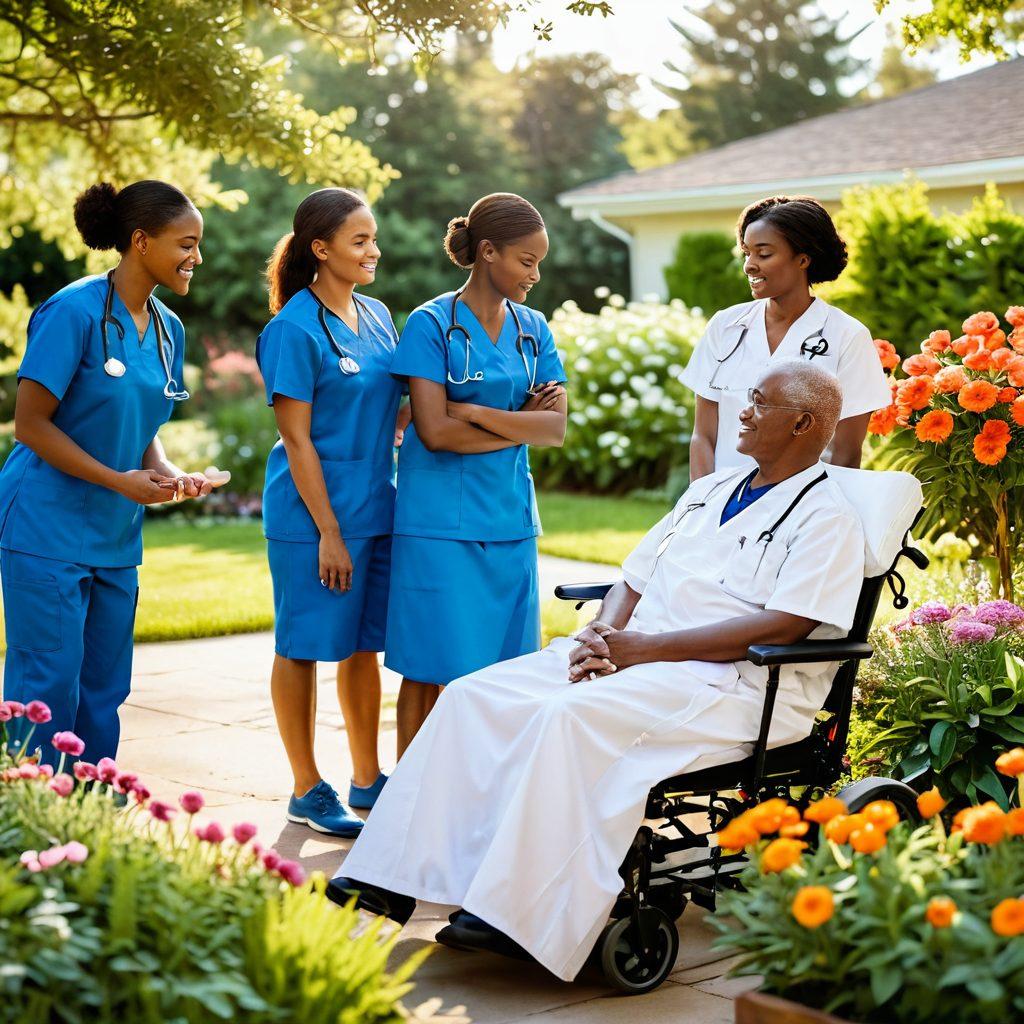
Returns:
(706, 273)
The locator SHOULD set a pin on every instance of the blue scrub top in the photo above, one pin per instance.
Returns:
(352, 424)
(49, 513)
(487, 496)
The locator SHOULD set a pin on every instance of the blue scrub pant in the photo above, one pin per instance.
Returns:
(69, 644)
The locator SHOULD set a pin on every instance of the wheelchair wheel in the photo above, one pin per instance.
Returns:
(858, 795)
(634, 970)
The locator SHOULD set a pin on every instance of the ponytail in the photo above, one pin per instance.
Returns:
(288, 272)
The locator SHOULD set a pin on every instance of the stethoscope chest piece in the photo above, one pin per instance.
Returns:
(113, 367)
(348, 366)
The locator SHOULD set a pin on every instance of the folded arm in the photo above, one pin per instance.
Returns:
(441, 432)
(540, 422)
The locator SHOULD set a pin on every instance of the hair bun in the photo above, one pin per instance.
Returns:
(457, 243)
(96, 216)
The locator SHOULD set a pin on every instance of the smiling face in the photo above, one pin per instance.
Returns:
(515, 268)
(771, 265)
(351, 254)
(769, 423)
(171, 256)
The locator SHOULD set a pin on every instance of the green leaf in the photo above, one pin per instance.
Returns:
(988, 990)
(885, 983)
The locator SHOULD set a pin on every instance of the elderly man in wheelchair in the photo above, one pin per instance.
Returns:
(544, 795)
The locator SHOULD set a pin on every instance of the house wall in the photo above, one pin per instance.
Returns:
(655, 235)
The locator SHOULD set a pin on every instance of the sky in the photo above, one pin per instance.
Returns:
(639, 39)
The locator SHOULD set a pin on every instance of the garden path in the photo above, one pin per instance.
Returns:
(199, 717)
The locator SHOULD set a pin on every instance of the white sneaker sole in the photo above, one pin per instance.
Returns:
(319, 828)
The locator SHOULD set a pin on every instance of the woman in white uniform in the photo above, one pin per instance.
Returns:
(788, 246)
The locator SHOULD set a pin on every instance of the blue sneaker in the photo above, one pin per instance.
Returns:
(364, 797)
(321, 810)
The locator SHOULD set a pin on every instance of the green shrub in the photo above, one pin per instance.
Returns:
(630, 417)
(247, 431)
(706, 273)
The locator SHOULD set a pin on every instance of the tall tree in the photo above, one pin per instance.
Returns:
(755, 65)
(655, 141)
(896, 74)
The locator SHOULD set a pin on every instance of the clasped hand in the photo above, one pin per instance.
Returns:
(602, 649)
(151, 487)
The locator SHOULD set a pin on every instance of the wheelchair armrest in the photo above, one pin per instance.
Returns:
(808, 651)
(582, 591)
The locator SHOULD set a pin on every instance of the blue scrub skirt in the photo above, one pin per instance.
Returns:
(457, 606)
(312, 623)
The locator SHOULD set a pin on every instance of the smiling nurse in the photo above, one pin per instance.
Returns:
(101, 373)
(788, 246)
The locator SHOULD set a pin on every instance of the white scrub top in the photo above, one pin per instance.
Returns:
(716, 375)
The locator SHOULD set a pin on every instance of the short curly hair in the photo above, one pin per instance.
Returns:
(808, 228)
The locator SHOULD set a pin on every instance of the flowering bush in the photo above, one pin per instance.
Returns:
(957, 423)
(630, 417)
(946, 692)
(879, 920)
(140, 915)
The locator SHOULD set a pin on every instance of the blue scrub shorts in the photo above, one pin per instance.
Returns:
(312, 623)
(457, 606)
(69, 644)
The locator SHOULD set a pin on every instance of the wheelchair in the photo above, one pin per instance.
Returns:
(637, 950)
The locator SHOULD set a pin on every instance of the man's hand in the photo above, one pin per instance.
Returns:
(628, 647)
(590, 667)
(589, 657)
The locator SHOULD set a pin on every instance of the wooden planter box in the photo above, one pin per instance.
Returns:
(760, 1008)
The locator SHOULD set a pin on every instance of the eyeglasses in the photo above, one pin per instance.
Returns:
(756, 399)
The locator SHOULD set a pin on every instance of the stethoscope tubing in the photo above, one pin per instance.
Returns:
(346, 363)
(522, 339)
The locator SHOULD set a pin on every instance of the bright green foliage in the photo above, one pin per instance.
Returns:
(655, 141)
(629, 415)
(758, 65)
(896, 74)
(877, 958)
(706, 273)
(979, 26)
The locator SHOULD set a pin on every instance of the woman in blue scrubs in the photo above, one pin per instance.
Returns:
(101, 373)
(328, 501)
(485, 382)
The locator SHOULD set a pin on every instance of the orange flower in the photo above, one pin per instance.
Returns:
(1011, 763)
(985, 824)
(813, 905)
(937, 341)
(780, 854)
(1017, 411)
(921, 363)
(1015, 822)
(1007, 918)
(930, 803)
(887, 354)
(1008, 395)
(936, 426)
(989, 452)
(840, 827)
(916, 392)
(941, 911)
(869, 839)
(980, 359)
(1001, 358)
(977, 395)
(883, 421)
(950, 379)
(738, 834)
(769, 816)
(996, 340)
(795, 831)
(1015, 372)
(1016, 339)
(981, 323)
(882, 814)
(824, 810)
(1015, 315)
(964, 344)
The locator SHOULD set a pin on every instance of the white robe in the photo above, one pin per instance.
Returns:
(520, 795)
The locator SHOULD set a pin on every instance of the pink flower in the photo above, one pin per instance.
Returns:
(930, 612)
(106, 769)
(243, 832)
(84, 771)
(29, 770)
(271, 859)
(37, 712)
(76, 852)
(161, 811)
(52, 857)
(140, 793)
(964, 631)
(30, 860)
(999, 613)
(213, 833)
(5, 711)
(68, 743)
(191, 802)
(126, 782)
(16, 708)
(62, 785)
(291, 872)
(46, 771)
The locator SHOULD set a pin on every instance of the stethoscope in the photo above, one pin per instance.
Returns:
(522, 340)
(813, 345)
(346, 363)
(113, 367)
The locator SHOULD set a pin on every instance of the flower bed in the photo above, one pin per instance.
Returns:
(139, 915)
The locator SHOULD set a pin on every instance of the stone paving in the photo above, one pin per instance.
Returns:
(200, 718)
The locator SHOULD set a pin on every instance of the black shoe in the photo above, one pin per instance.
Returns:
(469, 932)
(371, 898)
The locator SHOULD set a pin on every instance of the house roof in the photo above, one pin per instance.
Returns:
(952, 130)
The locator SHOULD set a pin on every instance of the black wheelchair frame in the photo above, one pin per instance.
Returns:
(638, 948)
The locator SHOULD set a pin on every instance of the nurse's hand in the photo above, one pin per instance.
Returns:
(335, 563)
(544, 397)
(146, 486)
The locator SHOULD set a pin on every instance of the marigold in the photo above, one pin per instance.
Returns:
(950, 379)
(941, 911)
(769, 816)
(883, 421)
(780, 854)
(989, 452)
(980, 360)
(977, 395)
(1008, 395)
(1011, 763)
(922, 363)
(937, 341)
(824, 810)
(868, 839)
(930, 803)
(936, 426)
(1008, 917)
(1015, 316)
(985, 824)
(813, 905)
(1015, 822)
(887, 354)
(1015, 372)
(840, 827)
(916, 392)
(981, 323)
(1001, 360)
(1017, 411)
(738, 834)
(882, 814)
